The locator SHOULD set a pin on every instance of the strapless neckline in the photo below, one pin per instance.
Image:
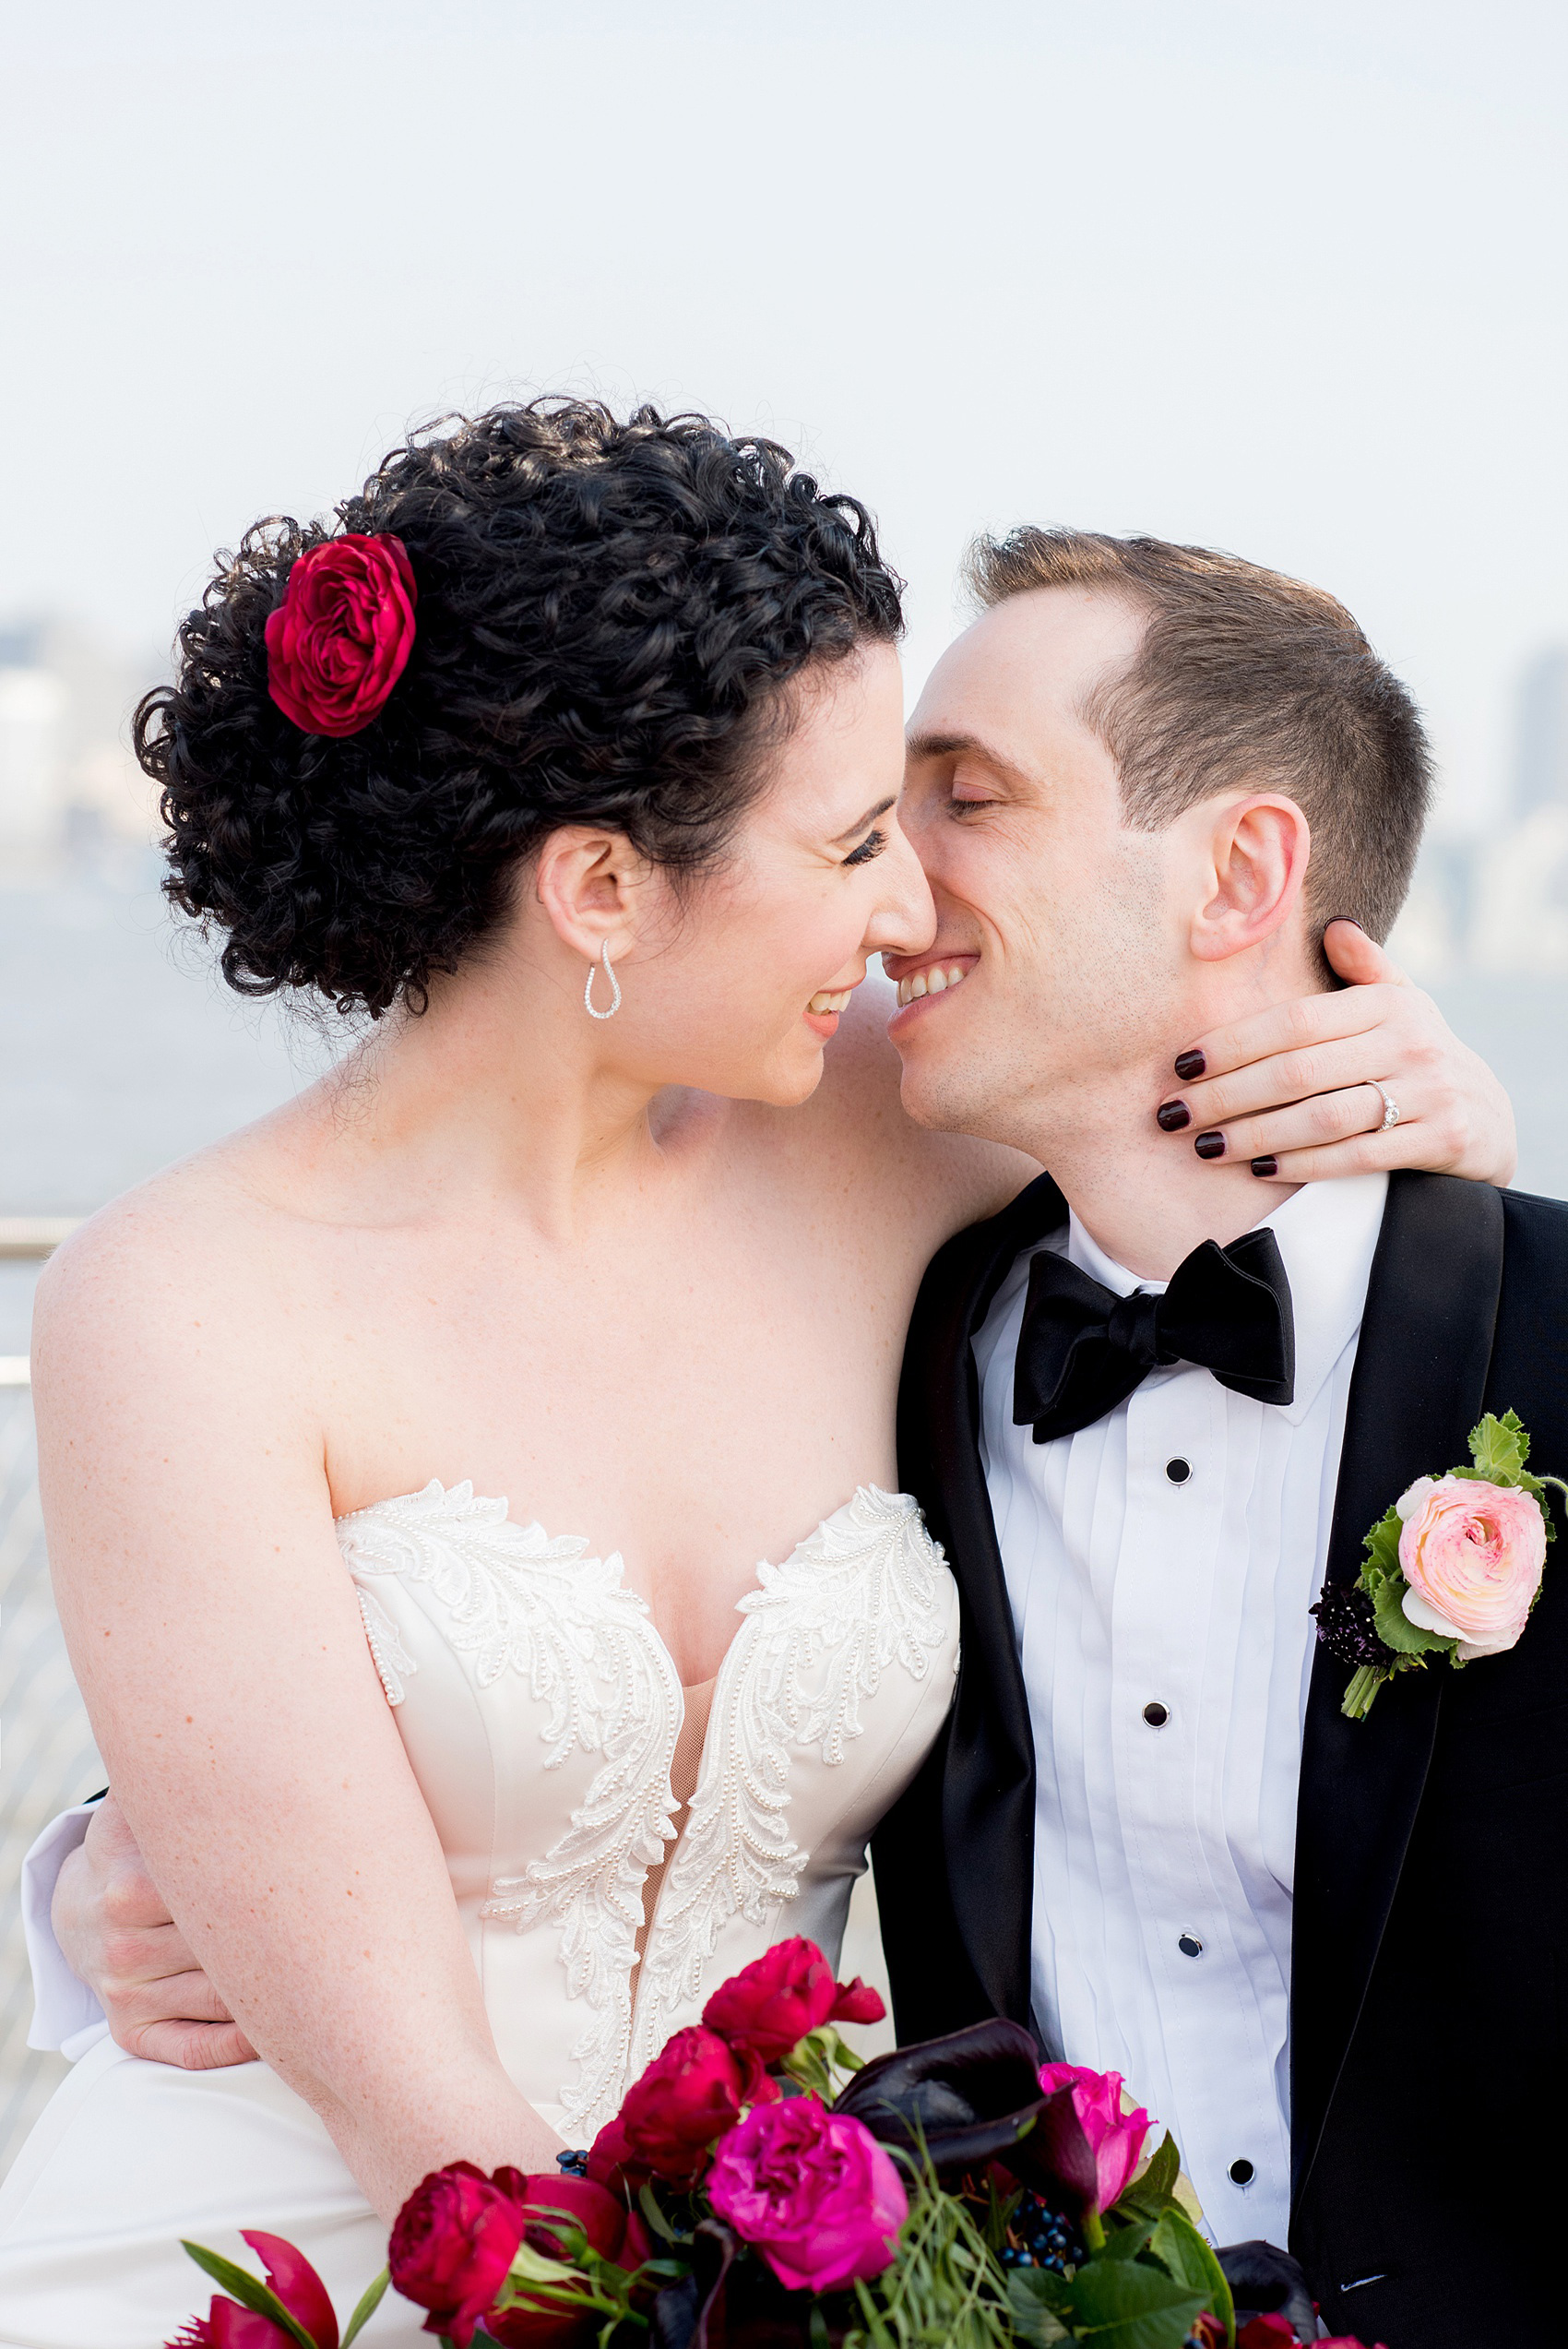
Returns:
(497, 1509)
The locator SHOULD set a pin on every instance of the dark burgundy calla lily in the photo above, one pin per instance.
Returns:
(975, 2097)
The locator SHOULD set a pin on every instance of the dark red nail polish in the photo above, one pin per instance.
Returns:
(1171, 1116)
(1190, 1065)
(1210, 1145)
(1265, 1166)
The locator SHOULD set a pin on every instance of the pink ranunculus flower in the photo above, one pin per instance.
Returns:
(1116, 2139)
(1472, 1555)
(820, 2199)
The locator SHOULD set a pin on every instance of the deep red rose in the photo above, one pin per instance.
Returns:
(771, 2005)
(228, 2326)
(687, 2096)
(452, 2243)
(611, 2230)
(601, 2215)
(341, 637)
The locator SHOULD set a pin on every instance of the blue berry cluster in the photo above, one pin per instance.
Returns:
(575, 2165)
(1038, 2236)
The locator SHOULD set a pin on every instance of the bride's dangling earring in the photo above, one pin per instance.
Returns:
(615, 988)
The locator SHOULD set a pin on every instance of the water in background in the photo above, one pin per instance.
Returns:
(121, 1049)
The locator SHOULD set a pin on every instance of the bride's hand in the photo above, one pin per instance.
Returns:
(1324, 1055)
(118, 1937)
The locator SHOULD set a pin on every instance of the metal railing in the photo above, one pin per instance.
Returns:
(49, 1758)
(23, 1239)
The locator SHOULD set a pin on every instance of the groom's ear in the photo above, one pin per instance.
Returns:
(1255, 864)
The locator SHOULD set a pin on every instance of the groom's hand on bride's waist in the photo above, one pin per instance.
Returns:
(117, 1935)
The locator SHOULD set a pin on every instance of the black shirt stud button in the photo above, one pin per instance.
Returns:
(1242, 2173)
(1177, 1471)
(1156, 1715)
(1190, 1946)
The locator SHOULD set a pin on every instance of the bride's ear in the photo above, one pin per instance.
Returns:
(590, 884)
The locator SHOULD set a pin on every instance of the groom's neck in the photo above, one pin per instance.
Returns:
(1149, 1202)
(1145, 1196)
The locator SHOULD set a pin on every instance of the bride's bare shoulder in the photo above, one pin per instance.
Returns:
(856, 1121)
(194, 1251)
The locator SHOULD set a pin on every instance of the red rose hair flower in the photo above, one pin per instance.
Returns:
(341, 637)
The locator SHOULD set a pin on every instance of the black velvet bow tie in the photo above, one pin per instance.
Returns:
(1081, 1349)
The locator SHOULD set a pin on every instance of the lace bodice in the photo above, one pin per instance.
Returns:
(539, 1710)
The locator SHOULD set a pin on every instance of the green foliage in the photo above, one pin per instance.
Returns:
(1499, 1448)
(943, 2291)
(999, 2213)
(814, 2059)
(658, 2225)
(1186, 2257)
(1394, 1627)
(1123, 2304)
(370, 2300)
(249, 2291)
(1032, 2302)
(1154, 2190)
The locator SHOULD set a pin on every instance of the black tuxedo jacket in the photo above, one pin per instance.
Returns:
(1430, 1973)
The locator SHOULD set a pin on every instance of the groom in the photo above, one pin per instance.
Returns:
(1332, 1955)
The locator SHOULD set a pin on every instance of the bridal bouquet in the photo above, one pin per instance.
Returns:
(762, 2187)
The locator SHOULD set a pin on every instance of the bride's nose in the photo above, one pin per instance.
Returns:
(905, 920)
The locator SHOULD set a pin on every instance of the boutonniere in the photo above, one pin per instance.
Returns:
(1453, 1569)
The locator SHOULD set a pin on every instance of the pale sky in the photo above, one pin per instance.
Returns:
(1284, 277)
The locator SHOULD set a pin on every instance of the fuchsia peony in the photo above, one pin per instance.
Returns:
(1116, 2139)
(341, 637)
(822, 2201)
(1472, 1555)
(771, 2005)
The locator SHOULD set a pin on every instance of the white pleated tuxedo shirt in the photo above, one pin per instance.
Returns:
(1160, 1565)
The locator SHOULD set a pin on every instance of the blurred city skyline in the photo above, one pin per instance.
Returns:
(1285, 282)
(1492, 899)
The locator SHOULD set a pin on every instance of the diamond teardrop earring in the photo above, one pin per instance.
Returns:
(615, 988)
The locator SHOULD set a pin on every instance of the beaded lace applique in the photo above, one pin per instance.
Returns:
(865, 1592)
(520, 1601)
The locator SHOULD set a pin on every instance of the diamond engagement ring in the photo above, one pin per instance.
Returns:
(1390, 1106)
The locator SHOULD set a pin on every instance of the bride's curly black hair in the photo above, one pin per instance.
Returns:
(608, 613)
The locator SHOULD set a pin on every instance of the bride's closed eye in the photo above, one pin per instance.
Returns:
(873, 846)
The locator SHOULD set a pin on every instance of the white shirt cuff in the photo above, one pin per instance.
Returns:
(66, 2017)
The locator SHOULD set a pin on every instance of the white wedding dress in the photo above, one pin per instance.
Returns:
(544, 1717)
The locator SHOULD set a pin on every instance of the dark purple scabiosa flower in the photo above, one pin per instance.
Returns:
(1348, 1627)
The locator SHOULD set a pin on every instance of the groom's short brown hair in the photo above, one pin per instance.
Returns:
(1243, 676)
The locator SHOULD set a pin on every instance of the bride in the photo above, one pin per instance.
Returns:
(407, 1457)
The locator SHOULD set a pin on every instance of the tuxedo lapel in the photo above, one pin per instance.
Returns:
(988, 1787)
(1416, 1390)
